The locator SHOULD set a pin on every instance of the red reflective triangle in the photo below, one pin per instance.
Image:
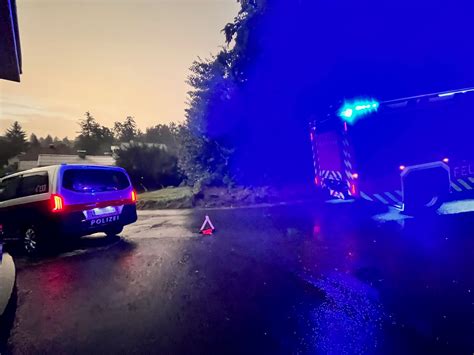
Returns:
(208, 230)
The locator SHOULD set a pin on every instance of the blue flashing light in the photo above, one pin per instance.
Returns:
(350, 112)
(347, 113)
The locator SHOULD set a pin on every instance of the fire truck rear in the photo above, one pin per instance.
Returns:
(413, 153)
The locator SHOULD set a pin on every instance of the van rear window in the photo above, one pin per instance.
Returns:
(94, 180)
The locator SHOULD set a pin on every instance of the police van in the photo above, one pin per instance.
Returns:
(41, 204)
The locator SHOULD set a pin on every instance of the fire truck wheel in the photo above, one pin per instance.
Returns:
(425, 187)
(415, 206)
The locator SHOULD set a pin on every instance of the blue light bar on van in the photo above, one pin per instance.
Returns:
(350, 112)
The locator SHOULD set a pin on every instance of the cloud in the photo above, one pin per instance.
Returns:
(14, 110)
(36, 118)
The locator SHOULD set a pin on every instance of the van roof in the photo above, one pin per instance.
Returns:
(54, 168)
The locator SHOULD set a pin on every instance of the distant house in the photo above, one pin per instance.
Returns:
(29, 160)
(54, 159)
(27, 164)
(24, 161)
(32, 160)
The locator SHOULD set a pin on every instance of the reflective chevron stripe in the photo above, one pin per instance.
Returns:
(365, 196)
(393, 198)
(331, 174)
(462, 185)
(381, 199)
(387, 198)
(465, 184)
(455, 187)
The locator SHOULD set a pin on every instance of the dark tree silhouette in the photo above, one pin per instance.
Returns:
(16, 138)
(93, 138)
(126, 131)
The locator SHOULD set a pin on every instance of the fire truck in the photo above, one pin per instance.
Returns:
(413, 153)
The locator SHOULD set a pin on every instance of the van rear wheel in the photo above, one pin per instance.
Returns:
(32, 242)
(113, 232)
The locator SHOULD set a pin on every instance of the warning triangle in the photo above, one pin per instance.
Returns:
(209, 230)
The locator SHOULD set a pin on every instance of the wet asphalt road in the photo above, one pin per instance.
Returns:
(332, 279)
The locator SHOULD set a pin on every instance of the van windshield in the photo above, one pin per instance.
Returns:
(94, 180)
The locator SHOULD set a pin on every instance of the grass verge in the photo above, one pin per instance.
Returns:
(176, 197)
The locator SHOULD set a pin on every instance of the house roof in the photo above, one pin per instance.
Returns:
(27, 165)
(55, 159)
(34, 154)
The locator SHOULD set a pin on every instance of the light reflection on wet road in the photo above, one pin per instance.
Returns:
(293, 279)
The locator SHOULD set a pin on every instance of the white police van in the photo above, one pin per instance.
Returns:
(40, 204)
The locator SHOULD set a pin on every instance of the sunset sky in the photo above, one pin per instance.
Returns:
(111, 57)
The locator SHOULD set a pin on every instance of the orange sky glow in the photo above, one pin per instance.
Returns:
(113, 58)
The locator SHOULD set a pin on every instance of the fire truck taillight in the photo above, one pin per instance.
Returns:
(353, 189)
(446, 160)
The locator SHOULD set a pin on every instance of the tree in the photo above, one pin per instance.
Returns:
(216, 127)
(16, 138)
(164, 134)
(126, 131)
(34, 141)
(47, 141)
(93, 138)
(204, 152)
(67, 142)
(5, 152)
(149, 167)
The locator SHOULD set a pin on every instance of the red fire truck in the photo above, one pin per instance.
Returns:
(413, 152)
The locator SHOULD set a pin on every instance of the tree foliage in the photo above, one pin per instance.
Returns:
(46, 141)
(93, 137)
(34, 141)
(126, 131)
(163, 134)
(16, 138)
(206, 146)
(5, 152)
(149, 167)
(203, 154)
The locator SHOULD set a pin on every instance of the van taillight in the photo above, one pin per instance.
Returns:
(134, 196)
(57, 203)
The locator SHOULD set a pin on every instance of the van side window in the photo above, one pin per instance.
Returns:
(9, 188)
(34, 184)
